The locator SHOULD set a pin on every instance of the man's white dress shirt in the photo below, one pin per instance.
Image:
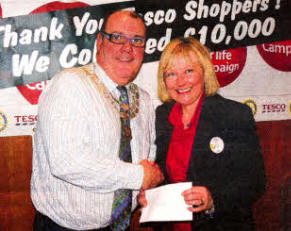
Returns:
(76, 167)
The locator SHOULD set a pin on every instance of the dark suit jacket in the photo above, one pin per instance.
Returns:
(235, 177)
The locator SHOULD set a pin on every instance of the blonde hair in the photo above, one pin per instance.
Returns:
(186, 47)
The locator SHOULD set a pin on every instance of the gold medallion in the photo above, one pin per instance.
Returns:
(124, 106)
(133, 106)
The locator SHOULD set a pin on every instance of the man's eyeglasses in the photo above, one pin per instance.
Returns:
(121, 39)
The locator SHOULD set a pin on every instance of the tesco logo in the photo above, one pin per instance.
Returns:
(25, 120)
(273, 108)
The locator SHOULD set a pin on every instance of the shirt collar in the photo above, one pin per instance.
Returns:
(107, 81)
(104, 78)
(175, 115)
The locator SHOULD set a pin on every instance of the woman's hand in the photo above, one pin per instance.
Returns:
(141, 198)
(199, 198)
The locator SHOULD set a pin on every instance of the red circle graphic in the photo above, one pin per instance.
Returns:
(277, 54)
(228, 64)
(57, 5)
(31, 92)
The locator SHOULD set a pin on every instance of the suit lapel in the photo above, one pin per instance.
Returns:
(201, 139)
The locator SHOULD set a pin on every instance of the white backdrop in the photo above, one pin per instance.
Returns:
(257, 80)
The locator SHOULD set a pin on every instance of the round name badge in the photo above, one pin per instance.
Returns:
(216, 145)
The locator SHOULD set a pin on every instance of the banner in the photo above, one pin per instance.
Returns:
(217, 24)
(35, 47)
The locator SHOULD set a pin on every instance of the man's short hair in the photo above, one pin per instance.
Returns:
(132, 14)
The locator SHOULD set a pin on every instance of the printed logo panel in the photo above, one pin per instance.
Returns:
(3, 121)
(252, 104)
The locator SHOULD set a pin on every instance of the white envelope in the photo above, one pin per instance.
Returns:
(165, 203)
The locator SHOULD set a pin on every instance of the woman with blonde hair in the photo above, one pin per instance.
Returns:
(206, 139)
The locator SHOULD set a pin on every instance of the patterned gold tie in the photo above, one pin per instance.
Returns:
(121, 208)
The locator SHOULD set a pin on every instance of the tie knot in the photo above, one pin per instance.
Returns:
(121, 89)
(123, 94)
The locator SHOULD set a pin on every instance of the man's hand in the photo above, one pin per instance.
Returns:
(152, 174)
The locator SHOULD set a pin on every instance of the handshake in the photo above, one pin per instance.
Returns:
(152, 174)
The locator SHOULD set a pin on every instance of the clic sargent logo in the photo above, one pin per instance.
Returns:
(3, 121)
(252, 104)
(25, 120)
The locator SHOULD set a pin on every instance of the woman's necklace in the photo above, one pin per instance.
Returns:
(187, 118)
(130, 110)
